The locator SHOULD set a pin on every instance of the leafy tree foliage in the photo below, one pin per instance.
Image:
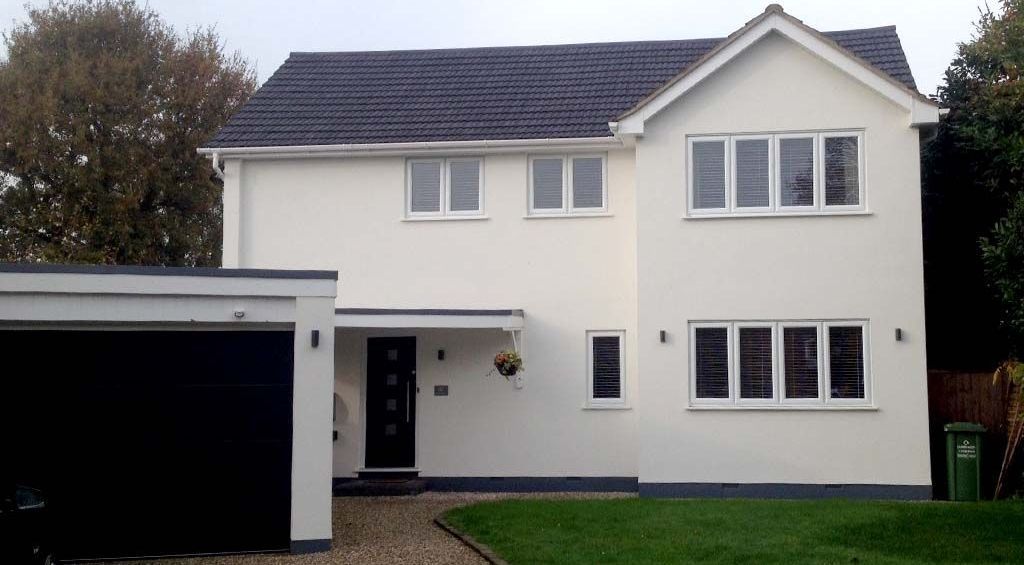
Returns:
(102, 107)
(974, 175)
(1003, 254)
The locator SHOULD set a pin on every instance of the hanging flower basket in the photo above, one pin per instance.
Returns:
(507, 363)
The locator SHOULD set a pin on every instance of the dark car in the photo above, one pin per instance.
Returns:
(24, 526)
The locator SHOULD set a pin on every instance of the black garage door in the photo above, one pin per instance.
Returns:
(153, 442)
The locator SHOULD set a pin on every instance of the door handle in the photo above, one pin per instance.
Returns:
(407, 385)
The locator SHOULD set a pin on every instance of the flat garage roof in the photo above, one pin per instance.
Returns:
(165, 271)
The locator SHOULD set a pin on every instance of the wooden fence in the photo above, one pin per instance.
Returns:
(967, 397)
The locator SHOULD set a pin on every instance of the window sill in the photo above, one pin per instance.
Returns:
(794, 214)
(784, 407)
(564, 216)
(622, 406)
(443, 218)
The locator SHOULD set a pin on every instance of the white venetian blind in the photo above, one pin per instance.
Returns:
(547, 184)
(607, 367)
(711, 350)
(755, 362)
(842, 174)
(846, 361)
(708, 174)
(587, 182)
(800, 351)
(796, 171)
(425, 186)
(465, 185)
(752, 183)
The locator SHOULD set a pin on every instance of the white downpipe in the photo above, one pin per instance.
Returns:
(215, 162)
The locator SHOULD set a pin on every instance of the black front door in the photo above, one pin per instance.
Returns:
(391, 402)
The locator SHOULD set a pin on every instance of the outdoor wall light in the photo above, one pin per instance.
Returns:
(440, 355)
(899, 334)
(239, 313)
(663, 336)
(316, 338)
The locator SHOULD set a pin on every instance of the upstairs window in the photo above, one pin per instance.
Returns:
(709, 178)
(779, 363)
(606, 368)
(568, 184)
(444, 187)
(796, 172)
(767, 174)
(752, 160)
(842, 156)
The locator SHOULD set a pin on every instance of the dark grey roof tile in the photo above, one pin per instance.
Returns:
(550, 91)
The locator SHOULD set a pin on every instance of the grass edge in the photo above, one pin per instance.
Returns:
(482, 550)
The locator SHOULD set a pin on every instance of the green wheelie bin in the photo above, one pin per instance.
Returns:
(963, 460)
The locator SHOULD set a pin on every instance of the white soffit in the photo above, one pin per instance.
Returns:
(428, 318)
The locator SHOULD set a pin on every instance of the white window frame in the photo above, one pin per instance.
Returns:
(726, 175)
(730, 362)
(815, 173)
(820, 399)
(733, 186)
(737, 326)
(567, 208)
(866, 343)
(448, 184)
(860, 169)
(408, 188)
(606, 402)
(604, 184)
(775, 207)
(565, 188)
(779, 400)
(444, 184)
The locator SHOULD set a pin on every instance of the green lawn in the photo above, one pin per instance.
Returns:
(745, 531)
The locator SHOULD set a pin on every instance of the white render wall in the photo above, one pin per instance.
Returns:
(643, 269)
(569, 275)
(858, 266)
(485, 426)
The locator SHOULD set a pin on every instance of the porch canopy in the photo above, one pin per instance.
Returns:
(510, 320)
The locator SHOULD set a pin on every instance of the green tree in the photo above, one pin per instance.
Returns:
(975, 186)
(102, 107)
(974, 191)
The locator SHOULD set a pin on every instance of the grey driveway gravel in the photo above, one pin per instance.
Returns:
(397, 529)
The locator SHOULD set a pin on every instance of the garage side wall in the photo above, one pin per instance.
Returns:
(311, 443)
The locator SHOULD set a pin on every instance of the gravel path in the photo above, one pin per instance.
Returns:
(395, 529)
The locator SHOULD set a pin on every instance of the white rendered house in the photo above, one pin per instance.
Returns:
(708, 253)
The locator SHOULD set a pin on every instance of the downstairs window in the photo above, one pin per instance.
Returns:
(779, 363)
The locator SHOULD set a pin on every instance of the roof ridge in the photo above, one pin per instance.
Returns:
(550, 45)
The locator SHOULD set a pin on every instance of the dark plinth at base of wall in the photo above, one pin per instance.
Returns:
(785, 490)
(666, 490)
(310, 545)
(531, 484)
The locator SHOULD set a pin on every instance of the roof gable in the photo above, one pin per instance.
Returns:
(775, 20)
(496, 93)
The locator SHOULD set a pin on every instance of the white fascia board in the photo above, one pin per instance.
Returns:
(474, 147)
(117, 284)
(499, 322)
(96, 310)
(924, 114)
(923, 111)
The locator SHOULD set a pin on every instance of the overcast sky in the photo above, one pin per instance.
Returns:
(265, 31)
